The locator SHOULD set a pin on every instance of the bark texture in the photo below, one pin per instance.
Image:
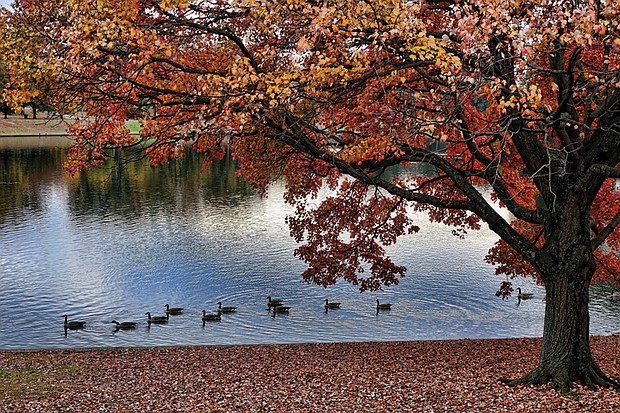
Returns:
(566, 356)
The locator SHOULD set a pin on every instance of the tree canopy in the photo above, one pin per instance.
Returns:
(512, 104)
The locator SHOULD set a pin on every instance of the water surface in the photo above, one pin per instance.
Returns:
(105, 245)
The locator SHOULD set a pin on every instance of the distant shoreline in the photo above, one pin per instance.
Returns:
(17, 126)
(33, 135)
(17, 132)
(56, 140)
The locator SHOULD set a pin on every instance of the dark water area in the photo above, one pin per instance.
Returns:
(109, 245)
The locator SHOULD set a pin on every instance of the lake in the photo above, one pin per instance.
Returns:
(103, 246)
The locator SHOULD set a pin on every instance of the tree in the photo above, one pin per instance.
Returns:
(23, 49)
(523, 95)
(4, 78)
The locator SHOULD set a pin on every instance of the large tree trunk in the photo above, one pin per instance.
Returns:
(566, 355)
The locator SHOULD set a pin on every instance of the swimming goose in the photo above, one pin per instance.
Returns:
(280, 309)
(331, 305)
(211, 317)
(158, 319)
(524, 296)
(273, 303)
(615, 295)
(173, 310)
(73, 325)
(125, 325)
(225, 309)
(384, 306)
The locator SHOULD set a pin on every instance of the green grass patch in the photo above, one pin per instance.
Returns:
(17, 384)
(32, 382)
(133, 125)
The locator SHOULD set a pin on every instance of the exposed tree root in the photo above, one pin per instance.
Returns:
(561, 379)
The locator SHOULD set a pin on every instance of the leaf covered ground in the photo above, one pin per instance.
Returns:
(423, 376)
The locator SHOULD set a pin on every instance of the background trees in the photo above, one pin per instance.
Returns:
(24, 47)
(523, 95)
(4, 78)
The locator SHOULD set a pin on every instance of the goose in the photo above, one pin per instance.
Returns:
(615, 295)
(158, 319)
(125, 325)
(225, 309)
(73, 325)
(173, 310)
(280, 309)
(331, 305)
(384, 306)
(211, 317)
(273, 303)
(524, 296)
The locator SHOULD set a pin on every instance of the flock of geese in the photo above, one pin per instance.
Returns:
(275, 306)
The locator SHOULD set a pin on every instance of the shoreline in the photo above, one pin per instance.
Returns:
(313, 343)
(216, 346)
(396, 376)
(17, 132)
(33, 135)
(16, 126)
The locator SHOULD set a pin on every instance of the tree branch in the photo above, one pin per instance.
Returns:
(294, 137)
(598, 240)
(605, 171)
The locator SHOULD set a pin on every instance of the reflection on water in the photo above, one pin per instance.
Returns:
(105, 245)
